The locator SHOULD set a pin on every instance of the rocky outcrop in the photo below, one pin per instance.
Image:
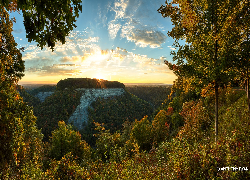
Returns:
(89, 95)
(43, 95)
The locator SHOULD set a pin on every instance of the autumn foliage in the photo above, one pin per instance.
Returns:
(174, 142)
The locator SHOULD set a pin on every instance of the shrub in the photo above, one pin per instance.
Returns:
(66, 168)
(197, 120)
(142, 133)
(160, 127)
(65, 140)
(176, 122)
(107, 145)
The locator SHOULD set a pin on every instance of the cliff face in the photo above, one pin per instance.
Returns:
(89, 95)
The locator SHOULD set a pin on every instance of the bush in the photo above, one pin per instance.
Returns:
(160, 127)
(107, 145)
(197, 121)
(142, 133)
(66, 168)
(193, 154)
(65, 140)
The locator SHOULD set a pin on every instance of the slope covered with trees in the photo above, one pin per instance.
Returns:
(44, 88)
(28, 97)
(155, 95)
(57, 107)
(113, 112)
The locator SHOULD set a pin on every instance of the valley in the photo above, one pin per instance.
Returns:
(81, 106)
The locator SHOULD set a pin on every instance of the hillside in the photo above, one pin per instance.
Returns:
(154, 94)
(74, 105)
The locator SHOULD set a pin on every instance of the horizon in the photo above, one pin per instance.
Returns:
(47, 83)
(54, 83)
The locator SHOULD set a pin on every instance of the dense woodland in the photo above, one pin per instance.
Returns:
(73, 83)
(155, 95)
(113, 111)
(200, 129)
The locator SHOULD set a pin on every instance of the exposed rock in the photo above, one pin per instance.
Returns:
(89, 95)
(43, 95)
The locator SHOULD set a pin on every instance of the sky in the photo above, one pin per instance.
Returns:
(115, 40)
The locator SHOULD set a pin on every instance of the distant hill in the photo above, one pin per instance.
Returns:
(147, 84)
(44, 88)
(74, 83)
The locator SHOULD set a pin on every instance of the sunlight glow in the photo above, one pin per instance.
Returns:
(98, 57)
(100, 76)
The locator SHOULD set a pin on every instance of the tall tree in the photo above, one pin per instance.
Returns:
(45, 22)
(203, 58)
(239, 26)
(21, 142)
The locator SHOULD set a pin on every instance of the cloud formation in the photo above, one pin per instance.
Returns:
(143, 38)
(77, 57)
(113, 29)
(53, 71)
(18, 31)
(136, 22)
(93, 51)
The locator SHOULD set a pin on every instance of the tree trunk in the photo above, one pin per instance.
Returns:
(247, 90)
(216, 111)
(216, 86)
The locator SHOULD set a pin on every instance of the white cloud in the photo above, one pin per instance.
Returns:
(114, 25)
(170, 47)
(144, 38)
(136, 24)
(162, 58)
(120, 8)
(107, 62)
(81, 53)
(113, 29)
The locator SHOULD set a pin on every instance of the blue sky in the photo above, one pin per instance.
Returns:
(117, 40)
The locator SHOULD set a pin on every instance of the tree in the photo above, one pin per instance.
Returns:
(65, 140)
(46, 21)
(21, 145)
(20, 140)
(204, 58)
(239, 26)
(160, 126)
(142, 133)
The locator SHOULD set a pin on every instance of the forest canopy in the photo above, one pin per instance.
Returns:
(73, 83)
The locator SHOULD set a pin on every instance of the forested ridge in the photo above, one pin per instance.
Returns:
(200, 131)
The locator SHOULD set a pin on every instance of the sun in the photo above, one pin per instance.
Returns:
(98, 57)
(99, 76)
